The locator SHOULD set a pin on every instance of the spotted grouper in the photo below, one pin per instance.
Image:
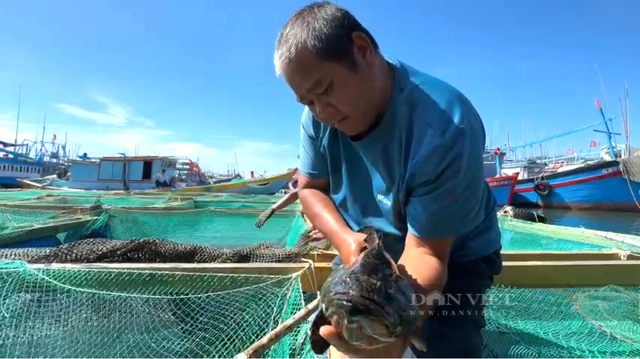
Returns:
(371, 301)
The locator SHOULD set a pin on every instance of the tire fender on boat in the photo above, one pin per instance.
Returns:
(542, 188)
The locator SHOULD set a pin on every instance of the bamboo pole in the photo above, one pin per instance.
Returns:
(262, 345)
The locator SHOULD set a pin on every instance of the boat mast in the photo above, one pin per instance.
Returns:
(608, 131)
(237, 167)
(18, 117)
(44, 125)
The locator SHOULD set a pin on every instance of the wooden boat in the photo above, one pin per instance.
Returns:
(264, 185)
(136, 174)
(110, 174)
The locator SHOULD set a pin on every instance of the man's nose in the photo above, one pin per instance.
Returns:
(325, 111)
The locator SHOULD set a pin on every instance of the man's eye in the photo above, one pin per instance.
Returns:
(326, 90)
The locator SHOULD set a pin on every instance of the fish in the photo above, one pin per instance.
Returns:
(370, 299)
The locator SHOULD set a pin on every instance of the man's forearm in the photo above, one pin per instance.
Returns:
(324, 216)
(426, 274)
(286, 201)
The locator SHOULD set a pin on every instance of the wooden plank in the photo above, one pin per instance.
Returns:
(164, 207)
(327, 256)
(145, 277)
(539, 274)
(276, 269)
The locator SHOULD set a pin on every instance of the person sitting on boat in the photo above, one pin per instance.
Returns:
(161, 179)
(386, 145)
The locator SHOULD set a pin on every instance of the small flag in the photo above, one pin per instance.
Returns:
(568, 151)
(598, 105)
(54, 138)
(593, 144)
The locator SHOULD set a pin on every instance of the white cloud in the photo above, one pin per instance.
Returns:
(101, 138)
(114, 114)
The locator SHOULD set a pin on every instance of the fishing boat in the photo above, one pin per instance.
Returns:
(260, 185)
(598, 186)
(503, 188)
(611, 184)
(190, 174)
(110, 174)
(137, 174)
(15, 166)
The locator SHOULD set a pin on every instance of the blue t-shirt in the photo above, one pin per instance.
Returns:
(420, 170)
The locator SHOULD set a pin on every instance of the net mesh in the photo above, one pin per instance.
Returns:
(204, 226)
(57, 311)
(98, 250)
(527, 236)
(67, 313)
(563, 323)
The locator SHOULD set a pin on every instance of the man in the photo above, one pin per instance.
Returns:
(385, 145)
(161, 179)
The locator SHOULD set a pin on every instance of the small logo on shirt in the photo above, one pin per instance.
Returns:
(382, 199)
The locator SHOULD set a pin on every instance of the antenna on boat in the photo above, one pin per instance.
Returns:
(44, 125)
(606, 98)
(624, 114)
(18, 116)
(64, 148)
(237, 167)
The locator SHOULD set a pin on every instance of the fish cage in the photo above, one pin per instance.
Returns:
(128, 281)
(205, 282)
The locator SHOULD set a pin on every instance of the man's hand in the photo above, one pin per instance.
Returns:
(264, 217)
(354, 244)
(316, 235)
(392, 350)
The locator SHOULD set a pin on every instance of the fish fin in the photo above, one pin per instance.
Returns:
(418, 342)
(319, 345)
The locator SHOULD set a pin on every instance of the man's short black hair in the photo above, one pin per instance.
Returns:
(325, 29)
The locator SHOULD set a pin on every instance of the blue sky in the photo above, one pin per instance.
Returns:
(196, 77)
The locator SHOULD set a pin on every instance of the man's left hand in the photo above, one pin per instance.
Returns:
(392, 350)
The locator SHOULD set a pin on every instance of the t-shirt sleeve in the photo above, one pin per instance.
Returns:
(446, 194)
(313, 164)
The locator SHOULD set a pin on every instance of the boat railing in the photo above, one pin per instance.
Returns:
(589, 156)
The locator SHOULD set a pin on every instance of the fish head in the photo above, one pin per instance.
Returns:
(369, 299)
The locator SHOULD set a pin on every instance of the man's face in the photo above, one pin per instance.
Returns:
(336, 95)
